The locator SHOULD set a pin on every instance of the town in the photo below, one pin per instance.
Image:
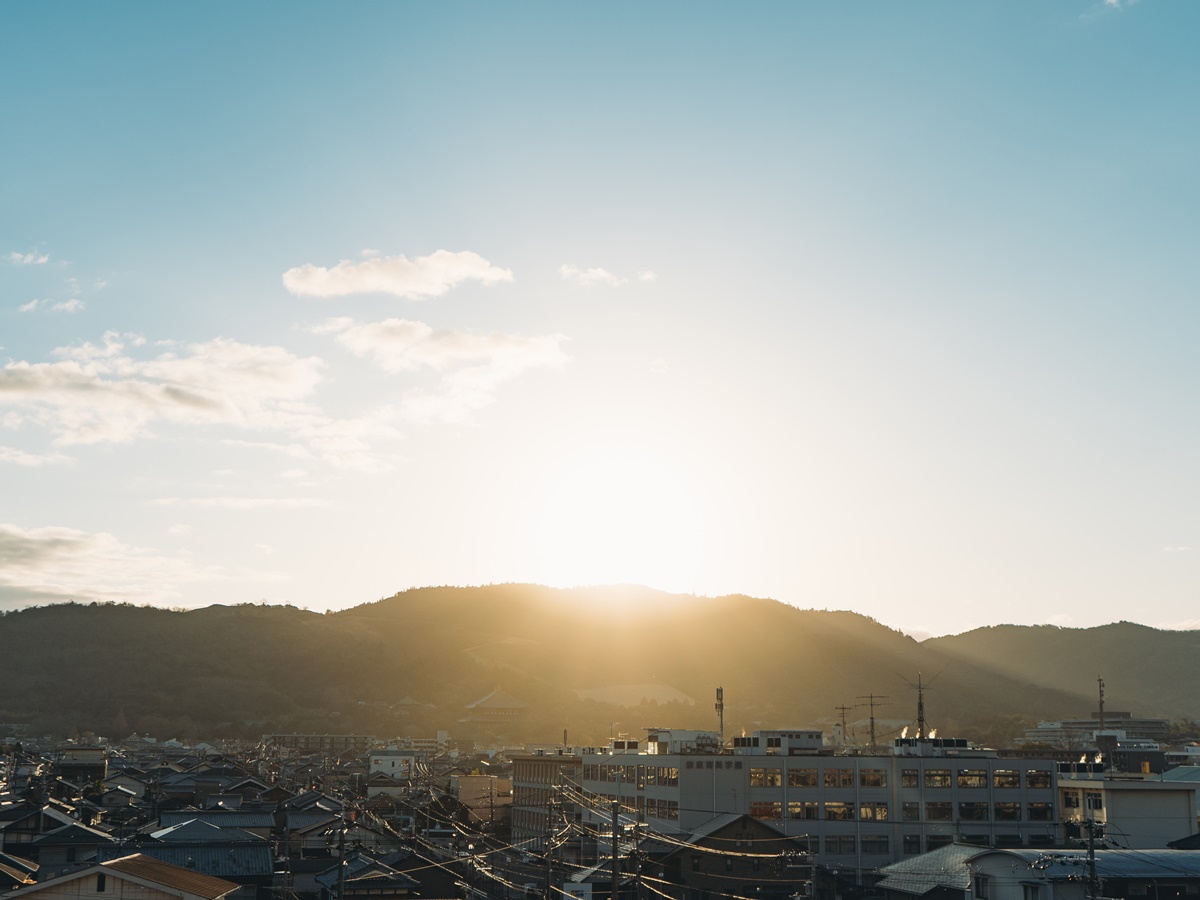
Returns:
(1084, 808)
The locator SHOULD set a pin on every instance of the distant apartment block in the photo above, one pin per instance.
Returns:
(540, 805)
(319, 743)
(853, 811)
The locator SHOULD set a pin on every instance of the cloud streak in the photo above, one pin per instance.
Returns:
(471, 365)
(415, 279)
(32, 258)
(103, 393)
(57, 563)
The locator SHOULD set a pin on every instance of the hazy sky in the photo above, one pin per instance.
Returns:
(882, 306)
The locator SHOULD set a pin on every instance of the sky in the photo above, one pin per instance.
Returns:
(874, 306)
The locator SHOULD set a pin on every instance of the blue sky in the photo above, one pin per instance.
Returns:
(887, 307)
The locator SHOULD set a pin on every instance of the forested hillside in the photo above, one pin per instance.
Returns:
(245, 670)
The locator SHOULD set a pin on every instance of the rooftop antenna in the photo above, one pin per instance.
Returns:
(720, 707)
(843, 710)
(871, 699)
(1100, 681)
(920, 687)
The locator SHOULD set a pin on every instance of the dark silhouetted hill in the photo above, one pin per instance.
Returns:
(245, 670)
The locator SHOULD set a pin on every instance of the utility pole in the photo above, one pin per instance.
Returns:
(616, 850)
(721, 714)
(341, 883)
(1093, 883)
(550, 836)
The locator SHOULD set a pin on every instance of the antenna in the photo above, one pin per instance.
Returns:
(920, 687)
(871, 699)
(1100, 681)
(843, 710)
(720, 707)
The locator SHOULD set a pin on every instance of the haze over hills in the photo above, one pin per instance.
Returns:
(245, 670)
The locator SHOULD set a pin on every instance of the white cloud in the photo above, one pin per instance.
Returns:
(32, 258)
(63, 563)
(424, 276)
(647, 276)
(179, 528)
(21, 458)
(659, 366)
(104, 394)
(241, 502)
(1177, 549)
(472, 365)
(590, 277)
(67, 306)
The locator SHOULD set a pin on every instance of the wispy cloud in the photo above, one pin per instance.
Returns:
(424, 276)
(242, 503)
(590, 277)
(472, 365)
(1177, 549)
(64, 306)
(64, 563)
(104, 393)
(32, 258)
(647, 276)
(22, 458)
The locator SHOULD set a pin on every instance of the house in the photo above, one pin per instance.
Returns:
(1064, 874)
(940, 874)
(134, 877)
(730, 855)
(498, 706)
(1139, 812)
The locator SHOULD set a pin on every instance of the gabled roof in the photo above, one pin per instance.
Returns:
(945, 867)
(147, 872)
(223, 818)
(149, 869)
(1058, 865)
(194, 831)
(74, 834)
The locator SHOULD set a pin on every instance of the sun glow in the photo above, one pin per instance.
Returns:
(620, 515)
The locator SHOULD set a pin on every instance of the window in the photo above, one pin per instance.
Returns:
(909, 778)
(802, 778)
(651, 775)
(770, 809)
(668, 776)
(1008, 812)
(802, 809)
(838, 811)
(1031, 892)
(937, 778)
(1040, 812)
(696, 863)
(729, 864)
(910, 811)
(1037, 778)
(933, 841)
(1071, 800)
(839, 844)
(872, 778)
(875, 843)
(100, 885)
(973, 812)
(912, 844)
(839, 778)
(766, 778)
(873, 811)
(979, 887)
(972, 778)
(939, 812)
(1006, 778)
(1094, 800)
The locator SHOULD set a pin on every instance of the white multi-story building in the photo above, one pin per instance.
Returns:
(856, 811)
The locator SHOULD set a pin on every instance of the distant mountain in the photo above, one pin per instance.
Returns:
(245, 670)
(1146, 671)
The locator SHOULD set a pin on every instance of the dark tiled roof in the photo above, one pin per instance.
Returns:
(150, 869)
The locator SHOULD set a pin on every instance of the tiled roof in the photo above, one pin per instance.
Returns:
(943, 867)
(150, 869)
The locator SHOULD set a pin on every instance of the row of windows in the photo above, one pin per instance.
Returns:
(840, 811)
(773, 776)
